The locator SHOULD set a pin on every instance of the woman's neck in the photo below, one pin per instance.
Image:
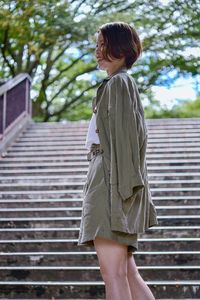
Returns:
(113, 69)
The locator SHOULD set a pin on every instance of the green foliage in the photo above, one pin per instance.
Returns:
(187, 109)
(53, 41)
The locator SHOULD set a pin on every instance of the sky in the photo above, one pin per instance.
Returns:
(182, 89)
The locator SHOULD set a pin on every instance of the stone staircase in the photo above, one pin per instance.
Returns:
(41, 180)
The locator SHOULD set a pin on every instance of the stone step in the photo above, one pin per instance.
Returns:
(83, 131)
(71, 273)
(44, 164)
(59, 289)
(151, 126)
(175, 185)
(71, 133)
(69, 139)
(173, 122)
(67, 192)
(8, 170)
(169, 122)
(193, 210)
(82, 135)
(168, 220)
(24, 152)
(66, 183)
(51, 153)
(77, 218)
(43, 148)
(48, 178)
(69, 157)
(152, 130)
(172, 245)
(74, 202)
(89, 258)
(151, 121)
(72, 143)
(144, 244)
(169, 132)
(81, 163)
(175, 198)
(166, 124)
(70, 182)
(55, 155)
(60, 146)
(48, 193)
(152, 230)
(60, 178)
(163, 142)
(52, 298)
(72, 233)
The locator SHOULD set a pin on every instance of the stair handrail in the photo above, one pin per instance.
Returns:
(13, 82)
(7, 121)
(15, 107)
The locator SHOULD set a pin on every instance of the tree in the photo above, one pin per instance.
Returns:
(54, 42)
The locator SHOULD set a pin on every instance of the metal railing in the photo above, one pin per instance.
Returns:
(14, 101)
(15, 107)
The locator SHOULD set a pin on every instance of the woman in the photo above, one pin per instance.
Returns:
(117, 202)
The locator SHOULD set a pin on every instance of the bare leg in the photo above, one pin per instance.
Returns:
(112, 258)
(139, 289)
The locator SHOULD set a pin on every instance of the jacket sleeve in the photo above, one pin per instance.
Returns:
(124, 140)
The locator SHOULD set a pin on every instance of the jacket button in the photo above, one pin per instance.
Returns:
(95, 110)
(97, 130)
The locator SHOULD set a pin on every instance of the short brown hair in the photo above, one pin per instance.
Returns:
(121, 39)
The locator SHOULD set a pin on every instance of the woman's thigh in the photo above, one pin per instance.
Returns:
(132, 267)
(112, 257)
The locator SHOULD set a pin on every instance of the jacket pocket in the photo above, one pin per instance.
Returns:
(95, 177)
(128, 204)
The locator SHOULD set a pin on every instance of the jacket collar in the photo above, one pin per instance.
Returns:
(120, 70)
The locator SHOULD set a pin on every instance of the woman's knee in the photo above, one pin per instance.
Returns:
(112, 273)
(112, 259)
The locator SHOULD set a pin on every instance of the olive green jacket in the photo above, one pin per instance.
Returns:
(123, 137)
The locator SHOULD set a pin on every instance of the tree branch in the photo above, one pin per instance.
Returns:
(3, 50)
(61, 53)
(68, 83)
(68, 104)
(66, 69)
(19, 59)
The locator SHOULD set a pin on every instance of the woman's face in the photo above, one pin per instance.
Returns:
(102, 63)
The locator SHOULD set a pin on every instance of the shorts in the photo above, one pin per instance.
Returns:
(96, 208)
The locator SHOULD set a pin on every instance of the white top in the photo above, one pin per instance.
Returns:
(92, 135)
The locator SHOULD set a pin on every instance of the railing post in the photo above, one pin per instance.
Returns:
(4, 112)
(28, 100)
